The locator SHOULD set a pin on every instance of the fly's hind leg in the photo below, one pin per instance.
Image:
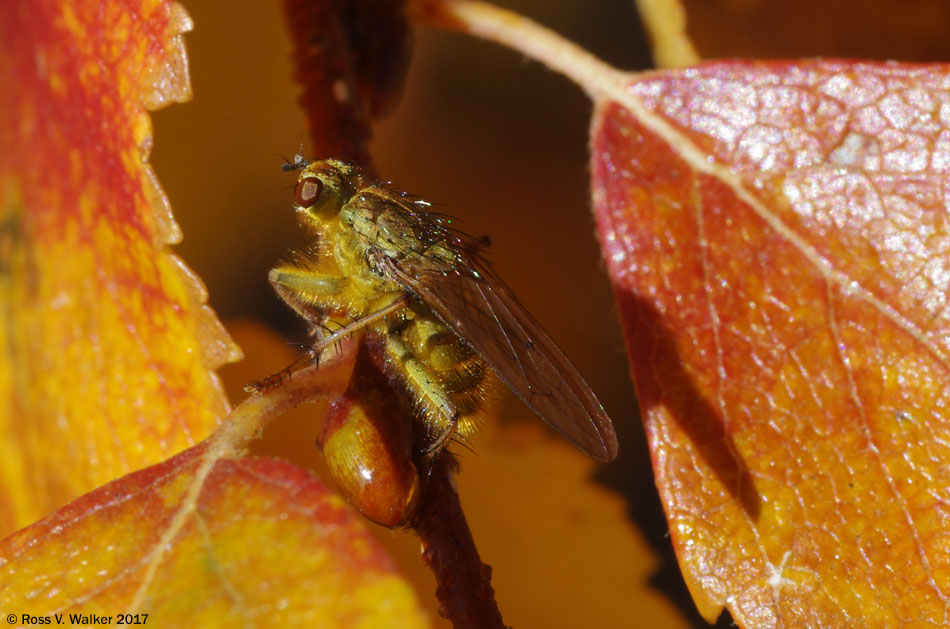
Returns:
(447, 433)
(439, 412)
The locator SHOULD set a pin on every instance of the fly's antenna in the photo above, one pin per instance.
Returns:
(300, 162)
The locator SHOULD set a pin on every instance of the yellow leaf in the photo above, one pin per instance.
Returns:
(108, 348)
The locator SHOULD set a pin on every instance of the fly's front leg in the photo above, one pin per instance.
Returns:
(309, 305)
(311, 295)
(275, 380)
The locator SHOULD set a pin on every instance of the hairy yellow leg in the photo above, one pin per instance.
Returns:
(305, 291)
(426, 387)
(314, 352)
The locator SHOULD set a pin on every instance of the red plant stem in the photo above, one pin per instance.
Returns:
(464, 582)
(350, 57)
(325, 69)
(464, 589)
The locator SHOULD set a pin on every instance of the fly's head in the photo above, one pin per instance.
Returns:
(323, 188)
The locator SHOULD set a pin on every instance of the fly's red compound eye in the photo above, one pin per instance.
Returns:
(308, 191)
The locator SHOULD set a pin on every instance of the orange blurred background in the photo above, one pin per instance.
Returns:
(502, 144)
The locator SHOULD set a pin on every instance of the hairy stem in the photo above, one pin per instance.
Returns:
(526, 36)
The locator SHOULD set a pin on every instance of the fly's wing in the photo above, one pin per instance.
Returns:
(474, 302)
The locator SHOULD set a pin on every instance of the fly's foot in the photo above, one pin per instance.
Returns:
(262, 386)
(432, 452)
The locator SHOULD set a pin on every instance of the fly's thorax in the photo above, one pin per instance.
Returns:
(332, 282)
(380, 224)
(353, 255)
(348, 247)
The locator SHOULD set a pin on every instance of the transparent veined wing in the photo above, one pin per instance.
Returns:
(474, 302)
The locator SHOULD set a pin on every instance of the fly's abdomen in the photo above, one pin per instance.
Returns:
(449, 381)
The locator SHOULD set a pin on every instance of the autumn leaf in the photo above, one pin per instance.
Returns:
(251, 517)
(214, 537)
(108, 346)
(776, 234)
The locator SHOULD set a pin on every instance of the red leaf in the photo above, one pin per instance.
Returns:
(264, 542)
(777, 238)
